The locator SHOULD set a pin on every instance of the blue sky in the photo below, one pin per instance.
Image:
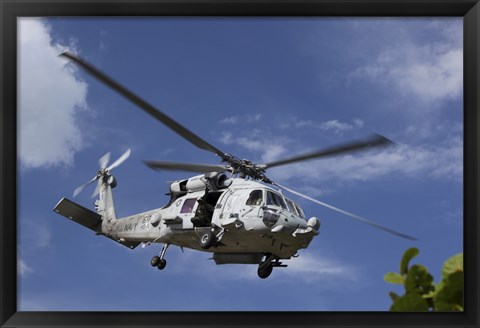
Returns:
(262, 89)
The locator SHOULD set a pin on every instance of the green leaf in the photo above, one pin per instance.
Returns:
(450, 297)
(407, 256)
(439, 287)
(410, 303)
(453, 264)
(419, 280)
(430, 294)
(394, 278)
(393, 296)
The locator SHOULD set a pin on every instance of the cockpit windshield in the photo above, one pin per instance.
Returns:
(275, 200)
(300, 211)
(294, 208)
(291, 206)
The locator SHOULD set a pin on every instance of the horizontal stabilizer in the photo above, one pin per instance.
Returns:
(87, 218)
(78, 213)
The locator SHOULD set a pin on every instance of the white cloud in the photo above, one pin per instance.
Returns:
(444, 161)
(312, 268)
(270, 148)
(43, 235)
(35, 238)
(35, 234)
(230, 120)
(430, 72)
(102, 46)
(306, 267)
(255, 118)
(50, 95)
(235, 119)
(340, 127)
(22, 267)
(273, 152)
(336, 126)
(227, 138)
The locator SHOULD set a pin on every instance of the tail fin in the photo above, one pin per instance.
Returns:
(104, 204)
(105, 183)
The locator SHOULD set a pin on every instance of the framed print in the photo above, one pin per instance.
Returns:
(314, 163)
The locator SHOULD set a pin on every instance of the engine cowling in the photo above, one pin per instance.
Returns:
(212, 180)
(217, 180)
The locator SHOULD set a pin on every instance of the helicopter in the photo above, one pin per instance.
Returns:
(232, 209)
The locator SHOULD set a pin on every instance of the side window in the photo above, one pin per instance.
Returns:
(276, 200)
(255, 198)
(188, 205)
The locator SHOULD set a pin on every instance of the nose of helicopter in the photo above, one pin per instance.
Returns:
(314, 223)
(279, 222)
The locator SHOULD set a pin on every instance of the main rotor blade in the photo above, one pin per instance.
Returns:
(120, 160)
(176, 166)
(353, 216)
(148, 108)
(374, 141)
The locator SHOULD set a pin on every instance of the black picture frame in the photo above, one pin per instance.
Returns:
(10, 10)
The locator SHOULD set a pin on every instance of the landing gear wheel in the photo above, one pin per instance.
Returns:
(162, 264)
(154, 261)
(264, 272)
(207, 239)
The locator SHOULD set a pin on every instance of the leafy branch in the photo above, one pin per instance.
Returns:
(421, 293)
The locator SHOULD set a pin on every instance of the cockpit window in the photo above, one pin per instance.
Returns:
(276, 200)
(255, 198)
(291, 206)
(300, 211)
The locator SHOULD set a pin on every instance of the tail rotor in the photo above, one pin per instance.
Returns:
(103, 173)
(80, 189)
(103, 161)
(119, 161)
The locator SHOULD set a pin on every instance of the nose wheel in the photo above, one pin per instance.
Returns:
(159, 261)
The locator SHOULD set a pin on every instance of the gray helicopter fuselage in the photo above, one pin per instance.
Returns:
(271, 224)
